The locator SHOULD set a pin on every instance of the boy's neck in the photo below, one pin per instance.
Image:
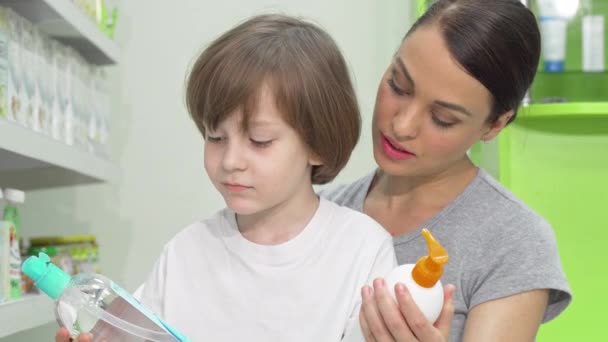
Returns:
(280, 223)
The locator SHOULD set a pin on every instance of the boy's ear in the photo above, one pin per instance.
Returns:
(314, 159)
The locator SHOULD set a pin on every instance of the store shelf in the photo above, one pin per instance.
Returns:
(572, 72)
(564, 109)
(29, 160)
(26, 313)
(62, 20)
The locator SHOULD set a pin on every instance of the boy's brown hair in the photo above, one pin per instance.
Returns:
(307, 75)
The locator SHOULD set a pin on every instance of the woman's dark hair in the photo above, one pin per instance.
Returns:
(496, 41)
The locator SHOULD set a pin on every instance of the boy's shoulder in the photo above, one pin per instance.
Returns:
(205, 230)
(341, 222)
(349, 223)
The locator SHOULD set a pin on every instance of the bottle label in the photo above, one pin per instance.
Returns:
(14, 264)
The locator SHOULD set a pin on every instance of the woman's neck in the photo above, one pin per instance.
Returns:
(439, 186)
(282, 222)
(403, 203)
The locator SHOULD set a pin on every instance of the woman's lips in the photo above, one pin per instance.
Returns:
(394, 150)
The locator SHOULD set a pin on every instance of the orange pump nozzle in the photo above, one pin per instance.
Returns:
(429, 268)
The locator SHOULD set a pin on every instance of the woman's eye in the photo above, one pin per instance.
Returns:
(441, 123)
(396, 89)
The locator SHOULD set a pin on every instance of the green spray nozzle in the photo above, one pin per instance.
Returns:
(49, 278)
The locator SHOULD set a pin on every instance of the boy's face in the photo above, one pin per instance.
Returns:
(264, 168)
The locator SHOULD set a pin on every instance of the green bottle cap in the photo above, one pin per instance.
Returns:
(46, 276)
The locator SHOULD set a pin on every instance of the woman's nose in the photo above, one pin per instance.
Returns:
(407, 121)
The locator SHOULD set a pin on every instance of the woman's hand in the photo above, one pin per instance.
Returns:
(382, 320)
(63, 335)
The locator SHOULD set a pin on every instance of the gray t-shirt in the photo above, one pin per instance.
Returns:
(497, 246)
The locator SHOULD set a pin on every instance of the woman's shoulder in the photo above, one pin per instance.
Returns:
(505, 246)
(489, 199)
(492, 222)
(487, 216)
(351, 195)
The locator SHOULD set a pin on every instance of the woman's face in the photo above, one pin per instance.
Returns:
(429, 110)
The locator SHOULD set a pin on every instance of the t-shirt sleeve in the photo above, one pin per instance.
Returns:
(384, 262)
(519, 260)
(151, 292)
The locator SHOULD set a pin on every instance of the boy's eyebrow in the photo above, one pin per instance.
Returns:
(444, 104)
(262, 122)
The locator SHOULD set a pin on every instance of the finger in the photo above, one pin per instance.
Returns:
(419, 325)
(444, 321)
(374, 321)
(390, 313)
(365, 331)
(86, 337)
(62, 335)
(364, 328)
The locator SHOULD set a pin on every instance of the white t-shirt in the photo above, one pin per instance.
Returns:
(212, 284)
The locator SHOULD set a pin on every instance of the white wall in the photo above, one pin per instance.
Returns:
(162, 185)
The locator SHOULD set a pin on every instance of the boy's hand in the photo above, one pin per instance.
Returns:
(63, 335)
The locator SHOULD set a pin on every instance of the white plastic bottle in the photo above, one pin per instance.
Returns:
(91, 303)
(554, 18)
(421, 280)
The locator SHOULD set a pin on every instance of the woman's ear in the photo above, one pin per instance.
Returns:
(495, 128)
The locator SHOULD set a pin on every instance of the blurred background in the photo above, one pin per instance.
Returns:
(99, 155)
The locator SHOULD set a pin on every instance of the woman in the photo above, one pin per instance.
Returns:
(458, 78)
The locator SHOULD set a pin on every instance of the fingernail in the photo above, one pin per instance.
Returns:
(379, 283)
(400, 289)
(451, 291)
(366, 292)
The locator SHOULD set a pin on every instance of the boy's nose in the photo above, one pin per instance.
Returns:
(233, 159)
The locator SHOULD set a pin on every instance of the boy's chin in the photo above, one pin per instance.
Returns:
(242, 208)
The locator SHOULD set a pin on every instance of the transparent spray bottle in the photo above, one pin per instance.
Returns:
(91, 303)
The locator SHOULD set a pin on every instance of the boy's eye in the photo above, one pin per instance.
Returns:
(261, 143)
(214, 139)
